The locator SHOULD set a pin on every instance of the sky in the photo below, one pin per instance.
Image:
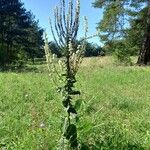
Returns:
(43, 9)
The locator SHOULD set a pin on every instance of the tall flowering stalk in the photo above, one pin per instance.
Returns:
(63, 70)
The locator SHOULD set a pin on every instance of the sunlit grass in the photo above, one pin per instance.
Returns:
(114, 114)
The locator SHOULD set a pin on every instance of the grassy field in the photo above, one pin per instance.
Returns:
(114, 115)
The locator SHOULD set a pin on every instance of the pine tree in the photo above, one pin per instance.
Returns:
(16, 30)
(144, 55)
(116, 23)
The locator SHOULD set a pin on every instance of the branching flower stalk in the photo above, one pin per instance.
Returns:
(63, 70)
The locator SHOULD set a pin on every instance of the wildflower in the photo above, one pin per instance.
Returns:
(42, 125)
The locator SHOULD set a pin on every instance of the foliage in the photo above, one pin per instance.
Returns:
(92, 50)
(19, 32)
(130, 45)
(117, 17)
(55, 49)
(120, 50)
(127, 20)
(112, 24)
(135, 34)
(122, 56)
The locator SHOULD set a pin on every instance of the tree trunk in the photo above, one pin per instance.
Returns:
(144, 55)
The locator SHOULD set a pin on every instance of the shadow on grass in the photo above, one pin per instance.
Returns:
(106, 145)
(18, 69)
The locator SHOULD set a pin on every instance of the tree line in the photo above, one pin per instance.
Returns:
(125, 28)
(91, 49)
(20, 35)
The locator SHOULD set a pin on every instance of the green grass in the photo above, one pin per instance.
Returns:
(114, 114)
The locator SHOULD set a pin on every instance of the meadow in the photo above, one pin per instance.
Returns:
(114, 110)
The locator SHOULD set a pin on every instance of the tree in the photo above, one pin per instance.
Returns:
(34, 40)
(54, 49)
(116, 22)
(17, 27)
(134, 35)
(92, 50)
(144, 55)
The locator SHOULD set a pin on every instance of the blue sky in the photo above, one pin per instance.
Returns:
(43, 9)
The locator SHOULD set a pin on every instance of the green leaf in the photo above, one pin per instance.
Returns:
(74, 93)
(71, 109)
(71, 135)
(78, 104)
(66, 100)
(71, 131)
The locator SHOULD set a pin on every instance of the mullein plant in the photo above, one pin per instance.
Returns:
(63, 70)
